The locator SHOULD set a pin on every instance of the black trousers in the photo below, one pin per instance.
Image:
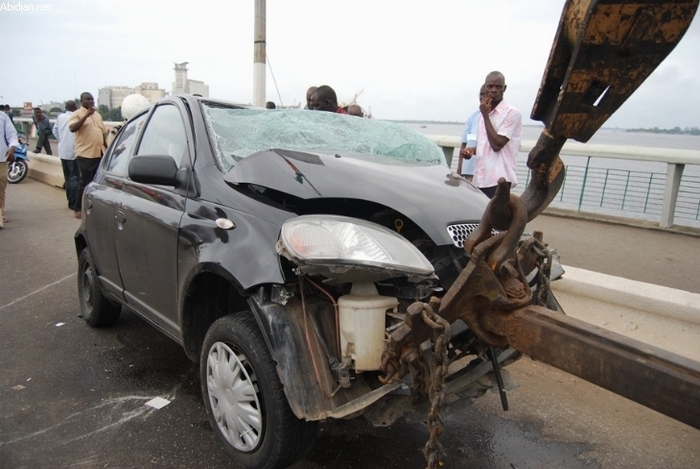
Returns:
(88, 168)
(42, 141)
(71, 177)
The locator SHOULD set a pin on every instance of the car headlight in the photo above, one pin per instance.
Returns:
(349, 243)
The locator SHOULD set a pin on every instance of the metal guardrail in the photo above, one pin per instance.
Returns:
(658, 196)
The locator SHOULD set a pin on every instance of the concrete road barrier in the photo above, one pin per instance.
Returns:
(46, 169)
(664, 317)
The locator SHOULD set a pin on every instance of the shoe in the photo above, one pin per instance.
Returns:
(78, 214)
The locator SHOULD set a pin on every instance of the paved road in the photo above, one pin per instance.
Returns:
(73, 396)
(643, 253)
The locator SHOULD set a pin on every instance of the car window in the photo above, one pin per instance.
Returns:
(122, 152)
(165, 134)
(238, 133)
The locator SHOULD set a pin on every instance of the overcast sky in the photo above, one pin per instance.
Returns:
(418, 60)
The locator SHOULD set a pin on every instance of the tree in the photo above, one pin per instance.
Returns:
(115, 114)
(104, 111)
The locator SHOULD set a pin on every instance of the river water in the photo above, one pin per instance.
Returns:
(642, 201)
(601, 137)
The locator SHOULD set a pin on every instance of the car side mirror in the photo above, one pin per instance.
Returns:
(153, 169)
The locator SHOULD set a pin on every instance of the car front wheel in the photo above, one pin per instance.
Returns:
(95, 308)
(244, 397)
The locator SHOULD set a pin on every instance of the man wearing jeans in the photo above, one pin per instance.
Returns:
(66, 152)
(90, 143)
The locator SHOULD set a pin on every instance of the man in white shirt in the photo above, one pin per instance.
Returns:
(498, 137)
(66, 152)
(8, 142)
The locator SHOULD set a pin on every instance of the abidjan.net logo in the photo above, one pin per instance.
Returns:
(22, 7)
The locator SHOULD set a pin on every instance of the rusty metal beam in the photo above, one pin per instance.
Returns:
(655, 378)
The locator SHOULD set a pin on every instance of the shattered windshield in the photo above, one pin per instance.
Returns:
(241, 132)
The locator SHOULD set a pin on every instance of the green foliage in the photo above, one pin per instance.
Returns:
(114, 115)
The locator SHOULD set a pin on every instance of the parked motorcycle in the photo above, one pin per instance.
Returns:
(18, 169)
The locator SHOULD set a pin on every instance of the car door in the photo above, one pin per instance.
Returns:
(148, 219)
(101, 201)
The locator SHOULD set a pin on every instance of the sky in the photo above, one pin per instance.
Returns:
(408, 60)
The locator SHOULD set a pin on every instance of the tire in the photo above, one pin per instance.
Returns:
(95, 307)
(245, 400)
(17, 171)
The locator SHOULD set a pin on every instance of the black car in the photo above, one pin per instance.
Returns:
(279, 248)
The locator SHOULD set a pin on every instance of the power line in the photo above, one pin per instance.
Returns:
(267, 59)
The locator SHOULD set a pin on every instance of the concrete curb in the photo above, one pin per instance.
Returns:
(655, 299)
(46, 169)
(660, 316)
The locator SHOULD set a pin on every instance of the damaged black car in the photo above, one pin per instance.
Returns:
(281, 249)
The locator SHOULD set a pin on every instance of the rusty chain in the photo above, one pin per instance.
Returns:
(544, 269)
(433, 450)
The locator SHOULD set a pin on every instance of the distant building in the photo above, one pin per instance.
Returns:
(27, 109)
(46, 107)
(112, 96)
(183, 85)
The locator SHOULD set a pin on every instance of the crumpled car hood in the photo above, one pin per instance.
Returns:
(432, 196)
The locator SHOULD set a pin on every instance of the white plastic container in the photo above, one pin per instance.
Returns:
(362, 325)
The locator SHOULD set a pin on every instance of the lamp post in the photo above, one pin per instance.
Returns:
(259, 54)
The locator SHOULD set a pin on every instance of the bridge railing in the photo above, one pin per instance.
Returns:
(658, 196)
(654, 194)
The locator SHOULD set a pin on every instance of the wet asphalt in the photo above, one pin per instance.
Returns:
(74, 396)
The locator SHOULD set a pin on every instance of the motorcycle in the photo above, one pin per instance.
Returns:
(18, 169)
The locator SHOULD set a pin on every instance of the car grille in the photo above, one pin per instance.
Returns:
(459, 232)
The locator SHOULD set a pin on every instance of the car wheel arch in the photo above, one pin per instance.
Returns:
(208, 295)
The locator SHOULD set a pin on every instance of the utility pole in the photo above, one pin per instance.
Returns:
(259, 53)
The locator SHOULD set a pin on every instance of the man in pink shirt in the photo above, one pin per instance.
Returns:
(498, 137)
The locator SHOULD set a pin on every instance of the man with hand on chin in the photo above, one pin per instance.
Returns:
(90, 131)
(498, 137)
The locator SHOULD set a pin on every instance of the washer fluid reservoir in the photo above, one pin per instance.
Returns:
(363, 326)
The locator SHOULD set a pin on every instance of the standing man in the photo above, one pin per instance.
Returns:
(43, 131)
(8, 110)
(309, 93)
(498, 137)
(8, 142)
(325, 99)
(86, 123)
(467, 150)
(66, 152)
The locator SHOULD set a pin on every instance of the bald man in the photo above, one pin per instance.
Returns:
(355, 110)
(309, 93)
(325, 99)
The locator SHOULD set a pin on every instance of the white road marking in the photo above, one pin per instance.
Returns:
(36, 291)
